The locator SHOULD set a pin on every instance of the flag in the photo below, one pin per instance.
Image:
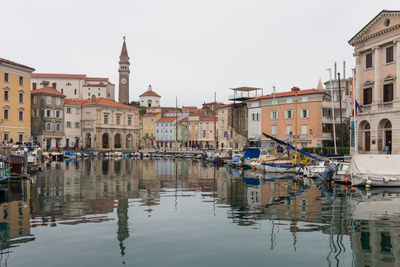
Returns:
(357, 108)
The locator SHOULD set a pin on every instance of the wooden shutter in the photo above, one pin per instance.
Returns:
(368, 60)
(389, 54)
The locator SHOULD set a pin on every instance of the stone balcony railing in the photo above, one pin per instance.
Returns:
(385, 105)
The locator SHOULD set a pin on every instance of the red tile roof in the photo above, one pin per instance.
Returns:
(150, 93)
(151, 114)
(97, 79)
(167, 119)
(185, 119)
(225, 106)
(284, 94)
(98, 101)
(94, 85)
(3, 60)
(75, 102)
(56, 75)
(47, 91)
(208, 119)
(107, 102)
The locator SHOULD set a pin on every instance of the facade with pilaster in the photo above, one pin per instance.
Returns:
(377, 52)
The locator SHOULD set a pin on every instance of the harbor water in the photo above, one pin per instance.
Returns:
(164, 212)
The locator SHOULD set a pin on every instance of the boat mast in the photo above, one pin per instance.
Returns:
(275, 115)
(333, 111)
(355, 110)
(295, 130)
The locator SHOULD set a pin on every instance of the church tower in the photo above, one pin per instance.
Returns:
(123, 96)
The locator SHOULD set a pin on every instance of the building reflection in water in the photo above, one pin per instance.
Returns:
(14, 216)
(67, 192)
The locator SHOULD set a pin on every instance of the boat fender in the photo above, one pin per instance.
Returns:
(346, 180)
(369, 182)
(386, 180)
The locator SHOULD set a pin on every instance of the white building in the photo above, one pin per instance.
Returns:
(254, 120)
(150, 98)
(75, 86)
(72, 123)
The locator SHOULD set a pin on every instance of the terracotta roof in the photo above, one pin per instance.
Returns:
(151, 114)
(185, 119)
(167, 119)
(57, 75)
(75, 102)
(106, 102)
(225, 106)
(208, 119)
(179, 124)
(172, 111)
(94, 85)
(150, 93)
(3, 60)
(283, 94)
(47, 90)
(97, 79)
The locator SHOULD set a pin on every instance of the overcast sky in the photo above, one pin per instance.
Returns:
(186, 48)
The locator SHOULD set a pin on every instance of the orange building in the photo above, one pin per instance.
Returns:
(282, 117)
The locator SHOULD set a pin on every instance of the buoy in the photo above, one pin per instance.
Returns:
(241, 169)
(332, 183)
(346, 180)
(254, 169)
(367, 186)
(346, 187)
(352, 189)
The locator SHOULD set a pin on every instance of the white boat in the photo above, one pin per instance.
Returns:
(314, 171)
(374, 170)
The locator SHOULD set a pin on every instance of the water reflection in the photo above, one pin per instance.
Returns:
(295, 215)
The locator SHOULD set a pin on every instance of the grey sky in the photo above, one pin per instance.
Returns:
(185, 48)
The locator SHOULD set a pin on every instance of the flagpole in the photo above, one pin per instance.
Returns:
(355, 112)
(333, 111)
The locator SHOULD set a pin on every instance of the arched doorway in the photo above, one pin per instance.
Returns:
(117, 141)
(385, 136)
(365, 130)
(129, 141)
(105, 141)
(88, 142)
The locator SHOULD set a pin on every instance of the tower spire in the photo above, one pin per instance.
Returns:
(124, 71)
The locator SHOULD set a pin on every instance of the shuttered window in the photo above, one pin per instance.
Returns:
(388, 92)
(368, 60)
(367, 96)
(389, 54)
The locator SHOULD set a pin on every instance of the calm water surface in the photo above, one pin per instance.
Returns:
(183, 213)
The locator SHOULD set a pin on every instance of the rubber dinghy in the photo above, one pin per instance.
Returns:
(374, 170)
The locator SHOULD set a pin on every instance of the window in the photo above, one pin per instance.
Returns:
(118, 120)
(5, 114)
(304, 129)
(21, 79)
(5, 136)
(274, 115)
(58, 101)
(58, 127)
(35, 113)
(48, 99)
(388, 92)
(253, 116)
(368, 60)
(68, 124)
(129, 120)
(273, 129)
(77, 111)
(75, 91)
(69, 110)
(367, 96)
(68, 84)
(288, 129)
(258, 116)
(105, 118)
(389, 54)
(77, 124)
(304, 114)
(6, 95)
(62, 91)
(88, 94)
(20, 137)
(5, 76)
(48, 127)
(21, 115)
(58, 113)
(289, 114)
(34, 99)
(48, 113)
(21, 97)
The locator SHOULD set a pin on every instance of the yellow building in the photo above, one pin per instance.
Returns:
(15, 101)
(149, 128)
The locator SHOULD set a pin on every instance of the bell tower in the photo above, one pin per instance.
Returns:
(123, 96)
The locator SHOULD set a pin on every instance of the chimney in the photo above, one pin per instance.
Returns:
(54, 85)
(33, 86)
(295, 89)
(344, 69)
(335, 73)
